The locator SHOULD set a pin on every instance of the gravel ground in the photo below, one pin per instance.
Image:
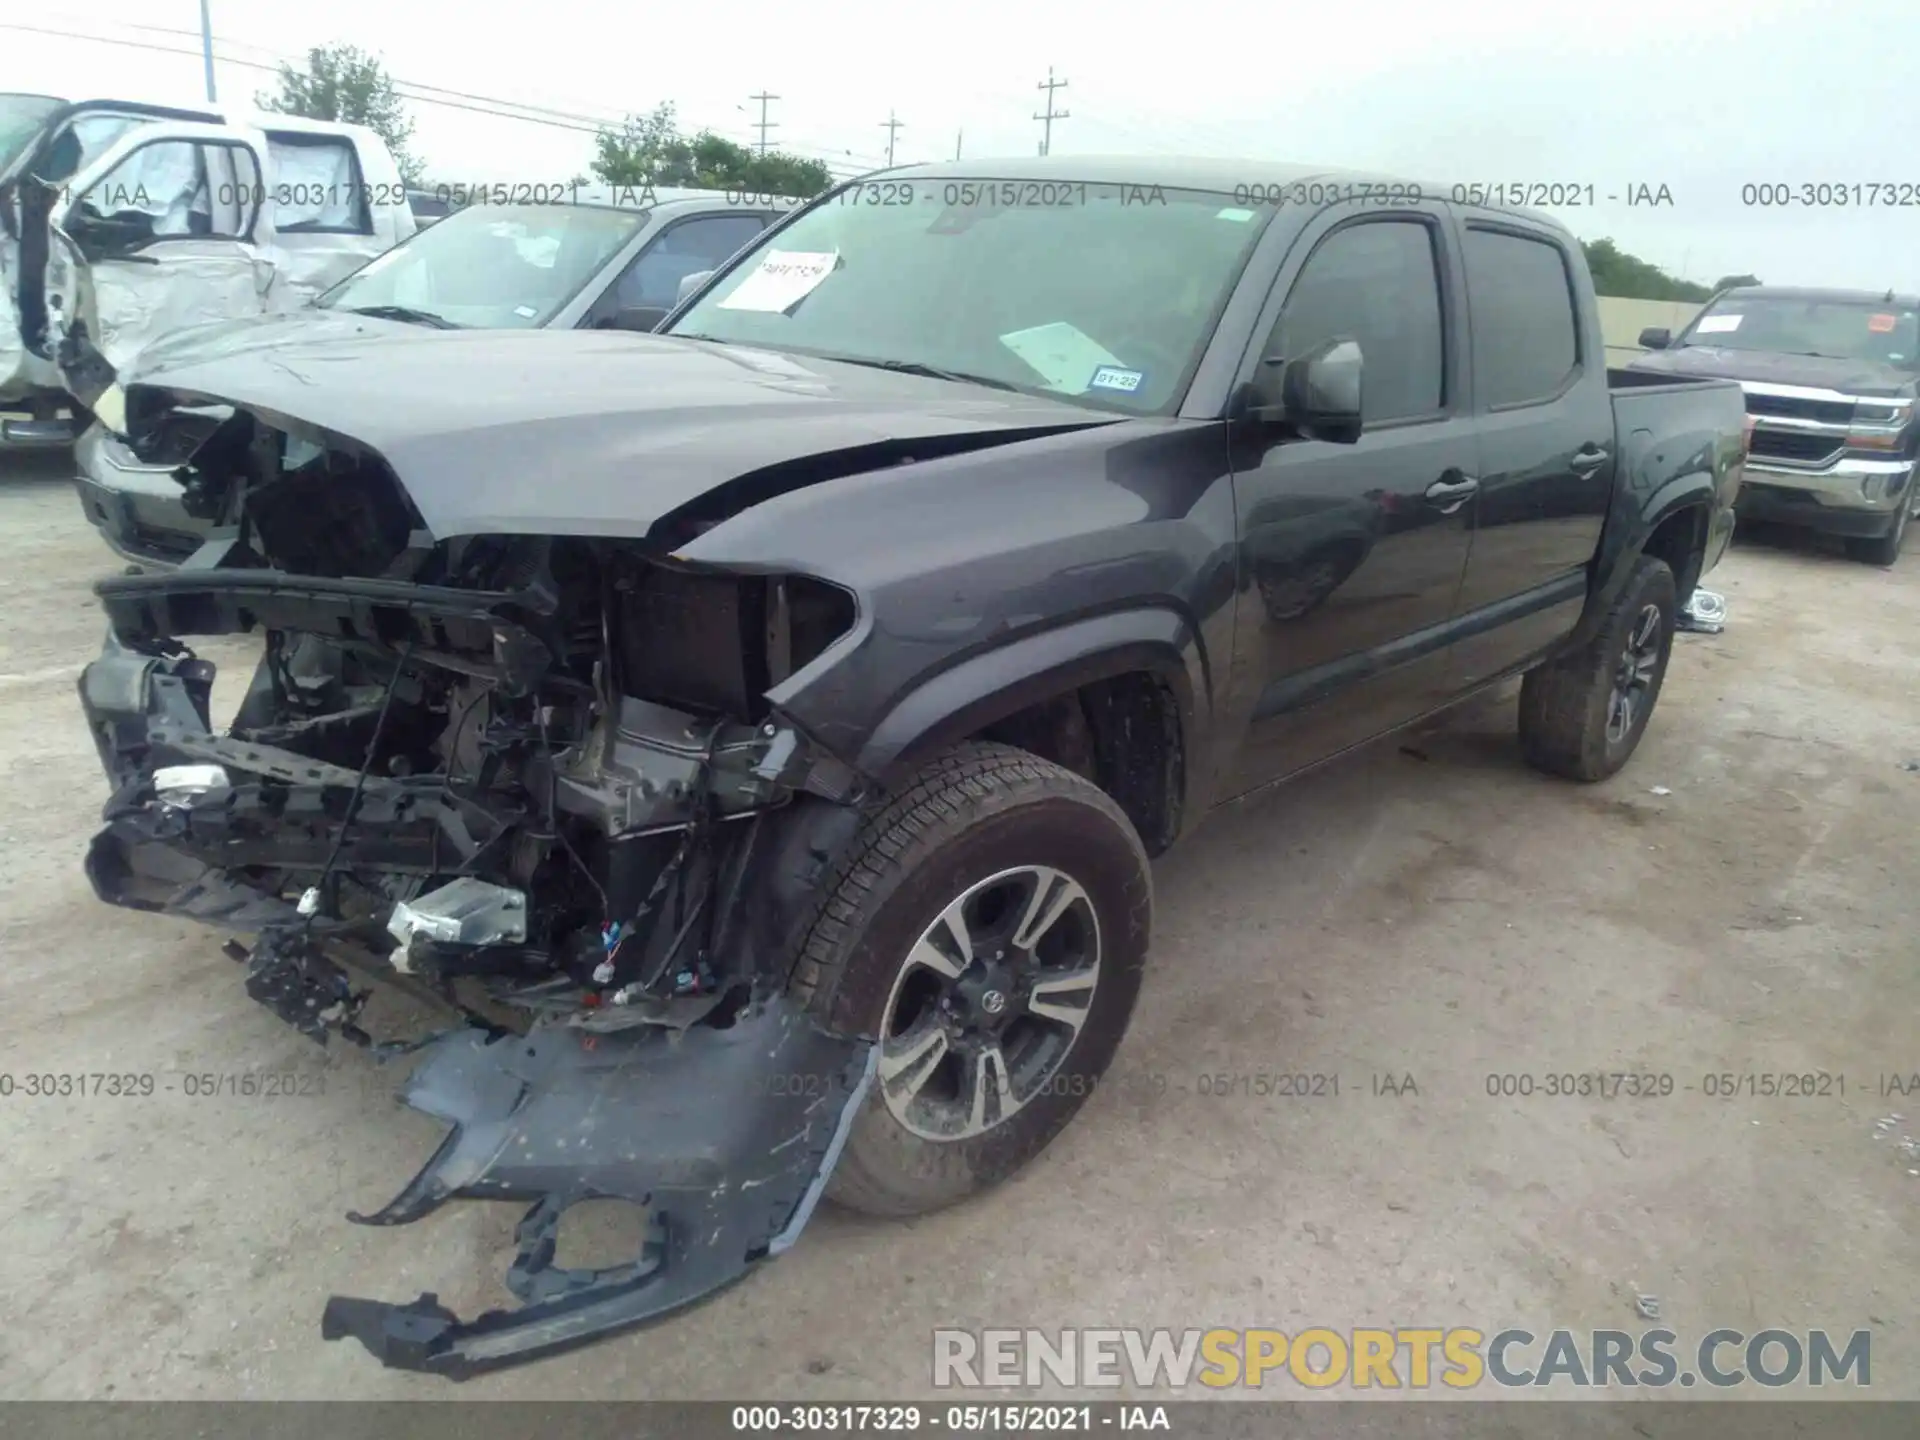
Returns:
(1443, 915)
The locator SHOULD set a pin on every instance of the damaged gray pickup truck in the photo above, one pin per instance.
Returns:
(753, 736)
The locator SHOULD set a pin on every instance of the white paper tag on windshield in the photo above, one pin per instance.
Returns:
(783, 279)
(1065, 357)
(1717, 324)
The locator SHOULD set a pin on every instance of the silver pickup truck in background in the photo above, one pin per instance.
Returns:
(1830, 379)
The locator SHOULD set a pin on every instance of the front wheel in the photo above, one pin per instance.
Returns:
(1884, 550)
(1582, 715)
(988, 928)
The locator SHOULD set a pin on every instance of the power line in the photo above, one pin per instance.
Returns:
(892, 127)
(589, 127)
(574, 119)
(560, 119)
(1050, 85)
(841, 163)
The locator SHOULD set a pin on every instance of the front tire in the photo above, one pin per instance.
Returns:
(1582, 715)
(1884, 550)
(988, 927)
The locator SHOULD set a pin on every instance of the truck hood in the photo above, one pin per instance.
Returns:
(1849, 377)
(582, 432)
(221, 339)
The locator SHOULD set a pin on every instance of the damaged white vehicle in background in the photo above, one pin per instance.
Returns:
(121, 222)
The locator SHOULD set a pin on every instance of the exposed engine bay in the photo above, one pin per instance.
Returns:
(532, 782)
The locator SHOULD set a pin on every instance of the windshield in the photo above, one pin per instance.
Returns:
(1104, 294)
(21, 117)
(494, 267)
(1877, 331)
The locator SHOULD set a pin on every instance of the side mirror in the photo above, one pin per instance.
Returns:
(1656, 337)
(690, 284)
(1317, 396)
(645, 318)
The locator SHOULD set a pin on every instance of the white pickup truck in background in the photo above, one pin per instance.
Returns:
(121, 222)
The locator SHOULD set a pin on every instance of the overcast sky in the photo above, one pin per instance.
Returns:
(1702, 96)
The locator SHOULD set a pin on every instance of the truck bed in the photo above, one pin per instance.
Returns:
(1695, 419)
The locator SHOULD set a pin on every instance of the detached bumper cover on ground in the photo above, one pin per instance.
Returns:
(726, 1136)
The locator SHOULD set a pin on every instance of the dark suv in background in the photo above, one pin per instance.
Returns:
(1830, 378)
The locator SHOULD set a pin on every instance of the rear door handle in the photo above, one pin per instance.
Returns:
(1587, 459)
(1450, 495)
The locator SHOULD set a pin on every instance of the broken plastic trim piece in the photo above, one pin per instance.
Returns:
(726, 1136)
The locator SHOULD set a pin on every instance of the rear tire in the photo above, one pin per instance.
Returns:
(1582, 715)
(991, 841)
(1884, 550)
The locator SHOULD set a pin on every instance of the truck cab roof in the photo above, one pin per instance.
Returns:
(1260, 177)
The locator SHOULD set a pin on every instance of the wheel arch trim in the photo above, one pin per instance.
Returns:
(961, 700)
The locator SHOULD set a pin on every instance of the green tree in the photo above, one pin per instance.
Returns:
(650, 150)
(637, 152)
(1628, 277)
(345, 83)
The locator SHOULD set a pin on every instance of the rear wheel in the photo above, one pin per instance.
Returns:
(988, 927)
(1582, 715)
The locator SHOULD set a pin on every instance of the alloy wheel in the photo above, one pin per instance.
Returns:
(1633, 676)
(989, 1002)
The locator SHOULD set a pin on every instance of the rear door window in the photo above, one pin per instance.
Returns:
(1526, 337)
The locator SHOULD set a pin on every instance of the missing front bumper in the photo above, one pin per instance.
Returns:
(726, 1137)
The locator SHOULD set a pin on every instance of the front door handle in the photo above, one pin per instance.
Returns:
(1587, 459)
(1449, 495)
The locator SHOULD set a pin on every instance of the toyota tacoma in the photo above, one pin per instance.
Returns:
(753, 737)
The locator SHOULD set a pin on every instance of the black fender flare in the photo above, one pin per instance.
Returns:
(1625, 540)
(962, 699)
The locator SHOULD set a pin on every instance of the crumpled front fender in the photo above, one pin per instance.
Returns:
(726, 1136)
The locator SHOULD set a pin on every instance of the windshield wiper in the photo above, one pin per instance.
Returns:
(403, 312)
(930, 372)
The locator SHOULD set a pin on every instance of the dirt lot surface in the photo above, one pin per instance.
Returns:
(1444, 916)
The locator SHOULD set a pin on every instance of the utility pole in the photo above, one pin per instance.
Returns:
(958, 136)
(764, 125)
(1050, 85)
(206, 46)
(892, 127)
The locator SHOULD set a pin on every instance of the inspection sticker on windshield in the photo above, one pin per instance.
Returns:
(1717, 324)
(783, 279)
(1115, 377)
(1241, 216)
(1882, 324)
(1061, 354)
(525, 312)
